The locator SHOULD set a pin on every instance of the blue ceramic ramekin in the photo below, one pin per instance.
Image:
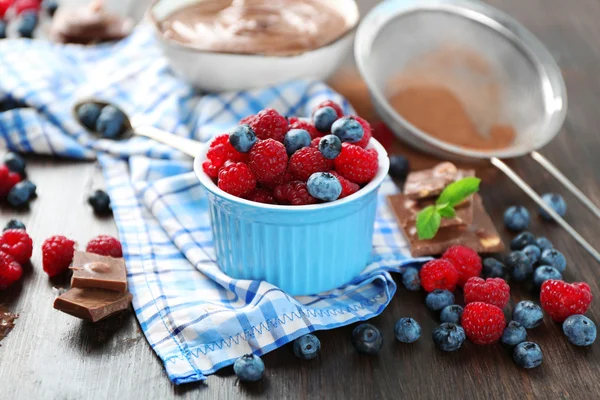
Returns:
(300, 249)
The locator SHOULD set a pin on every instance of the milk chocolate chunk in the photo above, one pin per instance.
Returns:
(409, 209)
(99, 272)
(92, 304)
(431, 182)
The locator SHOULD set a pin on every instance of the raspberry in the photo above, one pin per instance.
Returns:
(466, 261)
(356, 164)
(210, 170)
(438, 274)
(18, 244)
(261, 196)
(280, 180)
(105, 245)
(348, 187)
(8, 180)
(57, 254)
(366, 132)
(492, 291)
(315, 143)
(297, 123)
(269, 124)
(306, 162)
(220, 150)
(248, 120)
(294, 193)
(268, 160)
(483, 323)
(561, 300)
(26, 5)
(236, 179)
(10, 270)
(4, 6)
(332, 104)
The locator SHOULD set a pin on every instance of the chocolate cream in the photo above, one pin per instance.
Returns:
(272, 27)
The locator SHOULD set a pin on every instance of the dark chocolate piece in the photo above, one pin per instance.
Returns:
(7, 321)
(410, 208)
(431, 182)
(99, 272)
(92, 304)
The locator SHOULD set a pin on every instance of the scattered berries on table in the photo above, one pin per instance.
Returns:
(407, 330)
(111, 122)
(527, 355)
(516, 218)
(528, 314)
(492, 291)
(249, 368)
(356, 164)
(438, 274)
(22, 6)
(411, 280)
(100, 202)
(3, 24)
(242, 138)
(519, 266)
(532, 252)
(330, 146)
(543, 243)
(105, 245)
(236, 179)
(14, 224)
(493, 268)
(555, 202)
(553, 258)
(439, 299)
(521, 240)
(57, 254)
(466, 261)
(329, 103)
(348, 187)
(268, 160)
(448, 336)
(452, 314)
(307, 347)
(296, 139)
(306, 162)
(399, 167)
(544, 273)
(15, 163)
(8, 180)
(50, 7)
(483, 323)
(513, 334)
(348, 129)
(269, 124)
(27, 23)
(10, 270)
(324, 186)
(367, 339)
(579, 330)
(18, 244)
(561, 300)
(88, 114)
(323, 119)
(294, 193)
(20, 194)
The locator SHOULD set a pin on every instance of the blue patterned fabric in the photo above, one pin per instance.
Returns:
(197, 319)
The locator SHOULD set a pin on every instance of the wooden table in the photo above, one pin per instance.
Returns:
(50, 355)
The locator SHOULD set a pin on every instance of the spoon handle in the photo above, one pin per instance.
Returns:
(188, 146)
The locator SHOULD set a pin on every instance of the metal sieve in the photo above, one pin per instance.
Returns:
(460, 43)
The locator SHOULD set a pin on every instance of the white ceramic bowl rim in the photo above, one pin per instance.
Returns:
(384, 165)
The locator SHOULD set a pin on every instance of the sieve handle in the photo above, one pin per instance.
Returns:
(543, 161)
(535, 197)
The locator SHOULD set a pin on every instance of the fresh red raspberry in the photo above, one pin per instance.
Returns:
(268, 160)
(57, 254)
(561, 300)
(269, 124)
(221, 150)
(18, 244)
(364, 142)
(294, 193)
(438, 274)
(26, 5)
(332, 104)
(298, 123)
(210, 170)
(466, 261)
(315, 143)
(483, 323)
(383, 135)
(492, 291)
(356, 164)
(10, 270)
(105, 245)
(4, 6)
(280, 180)
(261, 196)
(236, 179)
(248, 120)
(8, 179)
(306, 162)
(348, 187)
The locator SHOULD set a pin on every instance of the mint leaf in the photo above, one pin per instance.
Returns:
(428, 222)
(458, 191)
(445, 210)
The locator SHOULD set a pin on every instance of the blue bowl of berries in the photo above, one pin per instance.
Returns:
(283, 213)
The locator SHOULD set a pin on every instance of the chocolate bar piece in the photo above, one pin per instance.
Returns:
(481, 235)
(92, 304)
(94, 271)
(431, 182)
(410, 208)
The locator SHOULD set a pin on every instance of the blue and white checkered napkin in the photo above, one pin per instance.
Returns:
(197, 319)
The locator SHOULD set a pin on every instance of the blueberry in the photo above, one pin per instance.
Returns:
(367, 339)
(407, 330)
(330, 146)
(249, 368)
(554, 258)
(532, 252)
(31, 187)
(100, 202)
(15, 163)
(323, 118)
(307, 347)
(296, 139)
(493, 268)
(111, 122)
(556, 202)
(527, 355)
(50, 6)
(516, 218)
(580, 330)
(543, 243)
(14, 224)
(451, 314)
(324, 186)
(2, 29)
(411, 280)
(448, 336)
(27, 24)
(348, 129)
(519, 266)
(439, 299)
(543, 273)
(88, 114)
(399, 167)
(20, 194)
(528, 314)
(242, 138)
(521, 240)
(514, 333)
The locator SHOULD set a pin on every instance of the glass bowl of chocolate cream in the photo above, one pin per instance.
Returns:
(221, 45)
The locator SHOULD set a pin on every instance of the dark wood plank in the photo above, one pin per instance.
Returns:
(50, 355)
